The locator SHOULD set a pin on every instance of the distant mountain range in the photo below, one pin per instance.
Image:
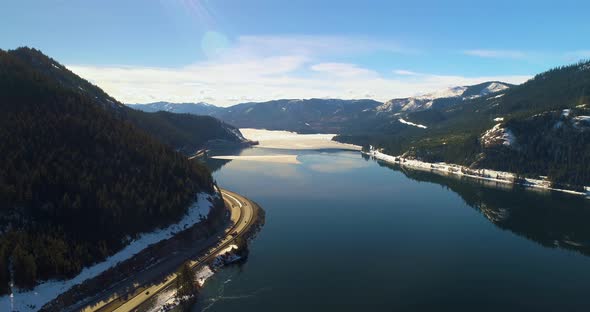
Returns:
(538, 128)
(327, 115)
(201, 108)
(442, 98)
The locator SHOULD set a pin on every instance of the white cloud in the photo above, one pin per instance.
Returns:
(512, 54)
(403, 72)
(260, 68)
(343, 70)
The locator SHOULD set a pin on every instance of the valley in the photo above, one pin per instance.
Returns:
(220, 156)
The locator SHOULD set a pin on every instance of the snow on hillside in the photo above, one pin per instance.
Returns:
(581, 122)
(498, 135)
(496, 97)
(33, 300)
(425, 101)
(446, 93)
(480, 174)
(493, 87)
(412, 124)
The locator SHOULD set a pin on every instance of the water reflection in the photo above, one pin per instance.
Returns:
(554, 220)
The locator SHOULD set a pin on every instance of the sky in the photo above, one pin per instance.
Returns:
(226, 52)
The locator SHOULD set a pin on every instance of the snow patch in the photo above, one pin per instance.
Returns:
(203, 275)
(450, 92)
(32, 300)
(412, 124)
(421, 102)
(496, 97)
(493, 88)
(498, 135)
(499, 119)
(55, 66)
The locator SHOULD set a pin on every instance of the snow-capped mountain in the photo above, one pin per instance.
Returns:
(200, 108)
(442, 98)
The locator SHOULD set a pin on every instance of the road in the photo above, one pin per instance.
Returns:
(242, 217)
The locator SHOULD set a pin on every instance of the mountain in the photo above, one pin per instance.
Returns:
(185, 132)
(539, 128)
(179, 108)
(444, 98)
(331, 115)
(80, 176)
(305, 116)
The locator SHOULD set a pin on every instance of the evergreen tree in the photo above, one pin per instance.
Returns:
(185, 282)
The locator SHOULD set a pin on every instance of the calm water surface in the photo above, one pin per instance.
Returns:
(345, 233)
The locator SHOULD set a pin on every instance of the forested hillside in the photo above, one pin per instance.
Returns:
(202, 109)
(538, 128)
(183, 132)
(77, 180)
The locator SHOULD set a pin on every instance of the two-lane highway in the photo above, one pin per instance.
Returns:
(242, 212)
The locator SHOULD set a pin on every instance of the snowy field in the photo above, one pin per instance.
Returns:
(33, 300)
(292, 140)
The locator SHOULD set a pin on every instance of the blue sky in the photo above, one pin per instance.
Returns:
(225, 52)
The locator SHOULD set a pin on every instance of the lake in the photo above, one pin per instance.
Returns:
(348, 233)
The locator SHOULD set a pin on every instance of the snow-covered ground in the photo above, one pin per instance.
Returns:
(498, 135)
(411, 123)
(167, 300)
(292, 140)
(32, 300)
(449, 92)
(481, 174)
(496, 97)
(493, 88)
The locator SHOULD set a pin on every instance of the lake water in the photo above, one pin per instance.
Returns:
(346, 233)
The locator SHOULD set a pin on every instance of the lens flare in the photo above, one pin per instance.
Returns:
(214, 44)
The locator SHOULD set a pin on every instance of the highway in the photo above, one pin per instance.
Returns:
(241, 215)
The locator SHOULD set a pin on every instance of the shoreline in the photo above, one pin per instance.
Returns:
(234, 253)
(282, 139)
(478, 174)
(49, 291)
(246, 217)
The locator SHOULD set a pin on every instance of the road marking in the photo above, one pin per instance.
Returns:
(139, 298)
(237, 201)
